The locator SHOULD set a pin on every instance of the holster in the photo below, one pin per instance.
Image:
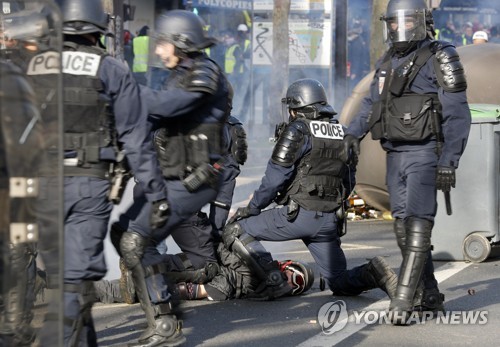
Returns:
(292, 210)
(119, 176)
(204, 174)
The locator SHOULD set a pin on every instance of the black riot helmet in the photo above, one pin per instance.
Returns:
(406, 23)
(83, 17)
(185, 30)
(307, 97)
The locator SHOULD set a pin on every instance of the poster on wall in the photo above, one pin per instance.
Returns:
(309, 43)
(295, 5)
(225, 4)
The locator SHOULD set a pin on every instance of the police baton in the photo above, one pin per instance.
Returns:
(447, 201)
(221, 205)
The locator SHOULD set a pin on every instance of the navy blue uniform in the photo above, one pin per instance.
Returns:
(86, 198)
(318, 230)
(86, 206)
(412, 166)
(170, 103)
(218, 215)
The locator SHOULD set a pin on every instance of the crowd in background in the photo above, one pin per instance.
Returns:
(462, 34)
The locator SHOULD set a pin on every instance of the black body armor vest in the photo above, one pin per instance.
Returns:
(401, 114)
(317, 184)
(88, 120)
(182, 145)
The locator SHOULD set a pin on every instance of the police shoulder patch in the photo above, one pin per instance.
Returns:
(326, 130)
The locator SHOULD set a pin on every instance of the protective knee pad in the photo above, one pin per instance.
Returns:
(246, 257)
(418, 234)
(230, 233)
(132, 248)
(399, 231)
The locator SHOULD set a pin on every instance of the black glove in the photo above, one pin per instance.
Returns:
(445, 179)
(243, 212)
(350, 151)
(160, 212)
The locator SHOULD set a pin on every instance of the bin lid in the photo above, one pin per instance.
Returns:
(485, 113)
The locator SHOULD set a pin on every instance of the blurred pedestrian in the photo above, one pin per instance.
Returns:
(140, 47)
(479, 37)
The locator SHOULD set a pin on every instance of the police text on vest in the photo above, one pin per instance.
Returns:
(326, 130)
(73, 63)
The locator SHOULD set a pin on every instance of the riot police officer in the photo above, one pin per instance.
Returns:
(188, 116)
(199, 236)
(307, 178)
(102, 115)
(30, 169)
(417, 108)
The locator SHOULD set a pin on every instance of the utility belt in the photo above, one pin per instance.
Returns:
(87, 145)
(99, 170)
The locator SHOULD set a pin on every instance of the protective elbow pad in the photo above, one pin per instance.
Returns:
(450, 72)
(288, 147)
(204, 77)
(239, 146)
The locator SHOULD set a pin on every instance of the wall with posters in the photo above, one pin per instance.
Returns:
(296, 5)
(309, 41)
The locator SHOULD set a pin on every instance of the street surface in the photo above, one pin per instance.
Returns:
(293, 321)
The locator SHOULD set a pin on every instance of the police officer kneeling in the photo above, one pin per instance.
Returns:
(307, 175)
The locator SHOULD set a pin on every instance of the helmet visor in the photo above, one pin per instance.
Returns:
(295, 279)
(405, 26)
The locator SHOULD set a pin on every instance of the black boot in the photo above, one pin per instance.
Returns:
(431, 300)
(378, 274)
(19, 298)
(418, 235)
(273, 285)
(167, 332)
(164, 329)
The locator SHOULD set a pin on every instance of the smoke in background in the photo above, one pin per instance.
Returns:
(246, 57)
